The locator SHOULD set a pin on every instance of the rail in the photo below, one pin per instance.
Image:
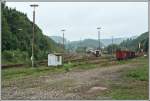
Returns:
(44, 62)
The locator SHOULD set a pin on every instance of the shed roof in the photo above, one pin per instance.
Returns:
(57, 54)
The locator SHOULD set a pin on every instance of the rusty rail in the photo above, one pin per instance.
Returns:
(12, 65)
(67, 59)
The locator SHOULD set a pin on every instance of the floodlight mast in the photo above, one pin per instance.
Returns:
(112, 45)
(98, 28)
(63, 30)
(33, 29)
(34, 5)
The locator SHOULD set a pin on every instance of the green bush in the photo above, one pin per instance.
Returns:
(7, 56)
(68, 66)
(15, 56)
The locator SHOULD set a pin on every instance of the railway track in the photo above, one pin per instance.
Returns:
(12, 65)
(67, 59)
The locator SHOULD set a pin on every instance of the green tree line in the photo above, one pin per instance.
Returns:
(132, 44)
(17, 37)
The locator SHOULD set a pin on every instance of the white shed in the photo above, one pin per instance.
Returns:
(54, 59)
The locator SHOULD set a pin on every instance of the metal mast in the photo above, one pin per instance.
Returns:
(63, 39)
(99, 37)
(112, 45)
(33, 29)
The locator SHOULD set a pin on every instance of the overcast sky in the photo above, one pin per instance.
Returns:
(80, 19)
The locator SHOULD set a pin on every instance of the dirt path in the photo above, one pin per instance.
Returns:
(71, 85)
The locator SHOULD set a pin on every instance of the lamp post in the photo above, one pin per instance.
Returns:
(33, 29)
(63, 39)
(98, 28)
(112, 45)
(20, 29)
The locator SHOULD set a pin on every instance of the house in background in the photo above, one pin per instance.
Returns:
(54, 59)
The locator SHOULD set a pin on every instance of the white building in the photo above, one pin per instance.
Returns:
(54, 59)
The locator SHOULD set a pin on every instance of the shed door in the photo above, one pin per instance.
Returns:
(51, 60)
(59, 60)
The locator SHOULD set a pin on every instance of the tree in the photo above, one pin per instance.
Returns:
(112, 48)
(15, 39)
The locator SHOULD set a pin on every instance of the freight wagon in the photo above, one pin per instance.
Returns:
(123, 54)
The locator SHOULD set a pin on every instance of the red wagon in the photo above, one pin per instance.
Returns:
(120, 55)
(123, 54)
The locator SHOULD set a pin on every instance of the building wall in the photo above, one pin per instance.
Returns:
(54, 60)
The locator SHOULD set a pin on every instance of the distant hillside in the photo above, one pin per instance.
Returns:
(58, 39)
(107, 42)
(91, 43)
(133, 44)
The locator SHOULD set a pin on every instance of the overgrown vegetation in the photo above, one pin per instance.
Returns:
(17, 38)
(134, 82)
(14, 73)
(139, 74)
(131, 44)
(112, 48)
(15, 56)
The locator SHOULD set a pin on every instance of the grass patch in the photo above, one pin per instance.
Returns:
(14, 73)
(87, 66)
(134, 82)
(68, 66)
(129, 90)
(11, 73)
(135, 60)
(140, 73)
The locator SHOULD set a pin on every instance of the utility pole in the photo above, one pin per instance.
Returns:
(80, 46)
(80, 42)
(33, 29)
(112, 45)
(99, 37)
(63, 30)
(63, 39)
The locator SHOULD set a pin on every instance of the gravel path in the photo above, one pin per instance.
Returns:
(79, 85)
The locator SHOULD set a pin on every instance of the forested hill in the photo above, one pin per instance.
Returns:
(17, 36)
(133, 44)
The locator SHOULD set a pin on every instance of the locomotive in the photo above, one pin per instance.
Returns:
(96, 53)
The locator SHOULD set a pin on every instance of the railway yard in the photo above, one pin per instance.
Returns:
(77, 51)
(83, 77)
